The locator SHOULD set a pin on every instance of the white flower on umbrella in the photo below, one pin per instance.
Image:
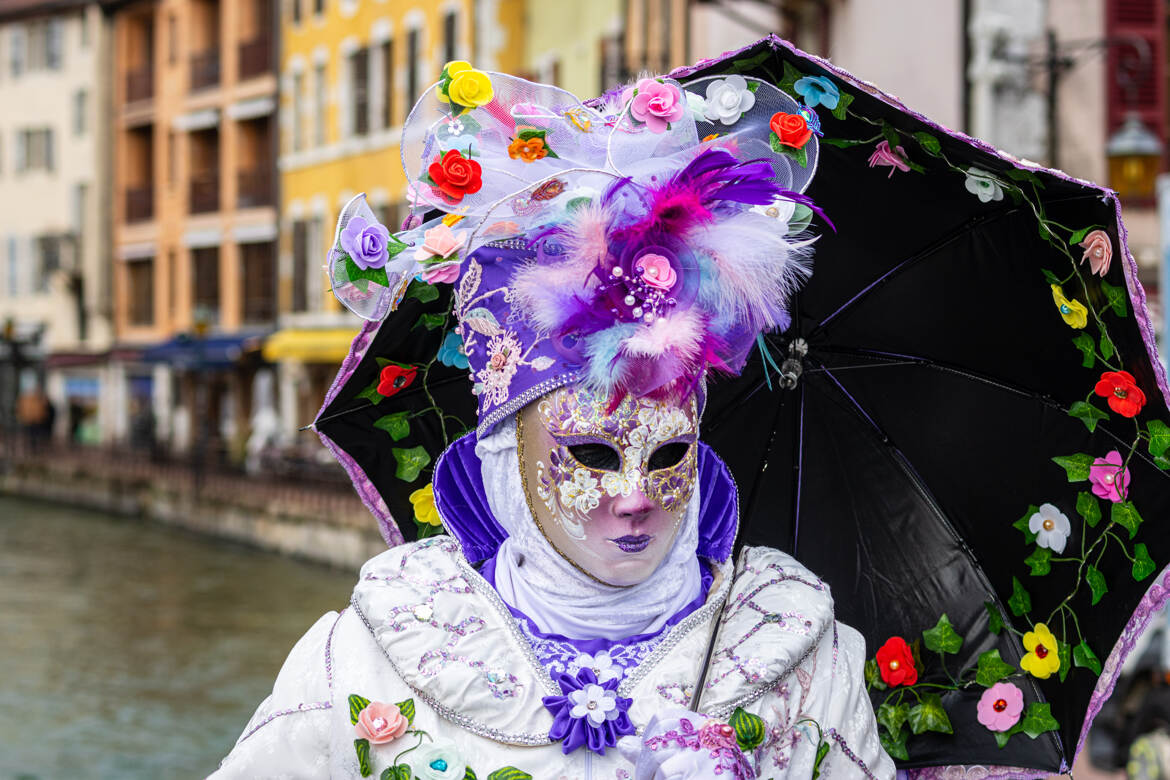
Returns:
(601, 664)
(595, 703)
(983, 185)
(697, 106)
(780, 209)
(728, 99)
(1051, 528)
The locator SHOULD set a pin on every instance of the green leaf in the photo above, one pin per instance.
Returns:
(842, 143)
(873, 676)
(395, 424)
(1020, 603)
(356, 705)
(1106, 346)
(1079, 236)
(749, 729)
(422, 291)
(822, 751)
(1022, 175)
(1023, 524)
(842, 108)
(406, 707)
(397, 772)
(1096, 582)
(362, 746)
(753, 86)
(469, 774)
(1125, 514)
(929, 715)
(1143, 564)
(410, 462)
(1089, 508)
(893, 716)
(1050, 277)
(1076, 465)
(1162, 462)
(1087, 413)
(426, 529)
(743, 66)
(942, 639)
(788, 82)
(371, 392)
(1159, 437)
(1084, 657)
(928, 142)
(799, 155)
(509, 773)
(356, 273)
(1045, 233)
(1002, 737)
(992, 668)
(430, 321)
(895, 746)
(1084, 342)
(1064, 653)
(528, 135)
(1040, 561)
(1038, 720)
(994, 618)
(1116, 297)
(891, 135)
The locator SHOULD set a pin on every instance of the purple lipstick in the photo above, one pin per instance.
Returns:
(633, 544)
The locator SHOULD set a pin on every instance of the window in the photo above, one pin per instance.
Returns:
(298, 88)
(80, 210)
(411, 68)
(83, 28)
(389, 214)
(34, 150)
(319, 7)
(258, 279)
(450, 44)
(16, 46)
(80, 105)
(205, 268)
(300, 263)
(295, 11)
(172, 38)
(388, 84)
(13, 267)
(321, 103)
(359, 69)
(140, 291)
(44, 49)
(172, 158)
(48, 249)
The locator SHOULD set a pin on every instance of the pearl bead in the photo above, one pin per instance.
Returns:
(1048, 524)
(629, 300)
(617, 271)
(637, 312)
(1107, 479)
(895, 666)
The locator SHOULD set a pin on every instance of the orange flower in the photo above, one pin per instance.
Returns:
(529, 151)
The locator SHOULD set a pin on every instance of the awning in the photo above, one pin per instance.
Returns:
(308, 345)
(81, 387)
(189, 352)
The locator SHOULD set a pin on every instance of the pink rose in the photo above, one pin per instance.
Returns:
(439, 241)
(656, 271)
(1109, 479)
(883, 155)
(445, 272)
(505, 228)
(498, 361)
(656, 104)
(1000, 706)
(1098, 251)
(381, 723)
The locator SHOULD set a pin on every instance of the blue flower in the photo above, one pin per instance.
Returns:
(818, 90)
(451, 351)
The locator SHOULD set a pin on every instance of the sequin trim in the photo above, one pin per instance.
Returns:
(519, 402)
(317, 705)
(841, 743)
(329, 652)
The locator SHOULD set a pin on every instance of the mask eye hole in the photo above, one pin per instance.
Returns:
(669, 455)
(596, 456)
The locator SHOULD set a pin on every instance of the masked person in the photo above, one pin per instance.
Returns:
(585, 618)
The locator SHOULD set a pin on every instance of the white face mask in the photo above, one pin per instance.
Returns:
(608, 488)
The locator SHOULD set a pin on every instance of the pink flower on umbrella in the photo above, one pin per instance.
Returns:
(1000, 706)
(439, 242)
(1109, 477)
(446, 272)
(656, 104)
(1098, 251)
(895, 158)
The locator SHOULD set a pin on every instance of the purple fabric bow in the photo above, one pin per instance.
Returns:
(588, 713)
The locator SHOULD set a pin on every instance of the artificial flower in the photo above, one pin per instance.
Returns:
(465, 86)
(588, 713)
(656, 271)
(395, 378)
(440, 241)
(1042, 659)
(983, 185)
(790, 129)
(528, 150)
(1098, 251)
(715, 735)
(655, 103)
(380, 723)
(1122, 392)
(601, 664)
(895, 158)
(896, 662)
(1000, 706)
(504, 228)
(438, 760)
(442, 273)
(455, 175)
(451, 351)
(1073, 312)
(415, 194)
(365, 242)
(814, 121)
(818, 90)
(1109, 477)
(697, 105)
(780, 209)
(1051, 527)
(423, 501)
(728, 99)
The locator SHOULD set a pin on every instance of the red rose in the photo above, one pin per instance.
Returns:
(1125, 397)
(896, 662)
(790, 129)
(394, 378)
(455, 175)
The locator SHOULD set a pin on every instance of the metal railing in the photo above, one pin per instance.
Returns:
(204, 193)
(254, 188)
(139, 84)
(255, 57)
(205, 69)
(139, 204)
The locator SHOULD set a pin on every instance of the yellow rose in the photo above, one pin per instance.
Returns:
(1074, 312)
(423, 501)
(465, 86)
(1043, 658)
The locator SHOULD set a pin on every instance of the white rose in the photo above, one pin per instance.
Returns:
(728, 99)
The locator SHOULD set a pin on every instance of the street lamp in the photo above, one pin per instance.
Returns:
(1135, 157)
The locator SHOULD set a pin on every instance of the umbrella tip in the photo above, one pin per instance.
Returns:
(310, 427)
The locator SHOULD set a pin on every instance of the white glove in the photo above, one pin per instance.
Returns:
(679, 744)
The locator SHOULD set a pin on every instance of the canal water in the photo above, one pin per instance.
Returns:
(133, 650)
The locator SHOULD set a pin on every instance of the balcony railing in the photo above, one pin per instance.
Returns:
(205, 69)
(255, 57)
(255, 188)
(139, 204)
(139, 84)
(204, 193)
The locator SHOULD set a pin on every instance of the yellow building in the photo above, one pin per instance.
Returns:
(576, 46)
(350, 71)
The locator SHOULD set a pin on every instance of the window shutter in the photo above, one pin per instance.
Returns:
(1146, 96)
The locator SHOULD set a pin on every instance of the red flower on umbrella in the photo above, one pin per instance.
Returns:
(394, 378)
(1125, 397)
(455, 175)
(896, 662)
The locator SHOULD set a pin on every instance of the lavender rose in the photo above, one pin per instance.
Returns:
(365, 243)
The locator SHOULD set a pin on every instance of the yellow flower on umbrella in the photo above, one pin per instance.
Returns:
(1043, 657)
(465, 86)
(423, 501)
(1073, 311)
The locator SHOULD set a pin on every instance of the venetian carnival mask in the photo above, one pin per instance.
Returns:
(608, 488)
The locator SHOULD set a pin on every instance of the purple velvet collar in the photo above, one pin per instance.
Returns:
(462, 502)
